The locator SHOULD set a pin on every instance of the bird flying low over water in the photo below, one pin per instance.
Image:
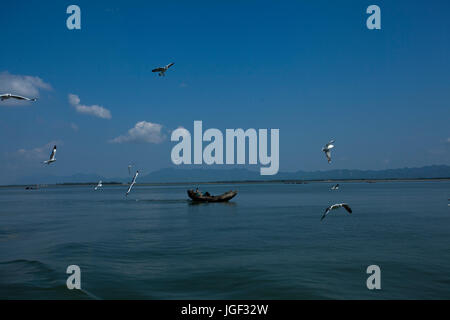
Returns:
(132, 183)
(99, 185)
(327, 149)
(162, 70)
(335, 187)
(52, 157)
(336, 206)
(7, 96)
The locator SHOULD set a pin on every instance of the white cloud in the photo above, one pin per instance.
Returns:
(94, 110)
(97, 111)
(38, 153)
(27, 86)
(144, 132)
(74, 99)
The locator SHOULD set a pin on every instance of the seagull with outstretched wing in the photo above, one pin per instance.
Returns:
(132, 183)
(52, 157)
(336, 206)
(162, 70)
(335, 187)
(7, 96)
(327, 149)
(99, 185)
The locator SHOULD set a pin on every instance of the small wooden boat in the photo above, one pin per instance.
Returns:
(227, 196)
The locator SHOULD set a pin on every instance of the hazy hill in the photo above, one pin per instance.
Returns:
(76, 178)
(213, 175)
(205, 175)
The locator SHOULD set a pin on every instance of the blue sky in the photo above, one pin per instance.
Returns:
(310, 68)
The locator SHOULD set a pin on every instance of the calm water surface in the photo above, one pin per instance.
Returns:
(268, 243)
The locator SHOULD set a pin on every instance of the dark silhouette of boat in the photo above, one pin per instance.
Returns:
(199, 197)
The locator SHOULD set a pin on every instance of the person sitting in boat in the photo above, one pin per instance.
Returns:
(198, 193)
(207, 194)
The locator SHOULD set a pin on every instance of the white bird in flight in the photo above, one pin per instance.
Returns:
(336, 206)
(335, 187)
(99, 185)
(327, 149)
(7, 96)
(52, 157)
(132, 183)
(162, 70)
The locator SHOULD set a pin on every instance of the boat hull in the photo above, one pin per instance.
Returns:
(227, 196)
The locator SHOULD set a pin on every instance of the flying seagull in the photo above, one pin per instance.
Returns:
(132, 183)
(327, 149)
(99, 185)
(162, 70)
(7, 96)
(52, 157)
(335, 187)
(336, 206)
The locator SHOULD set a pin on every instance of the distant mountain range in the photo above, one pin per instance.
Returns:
(209, 175)
(171, 175)
(51, 179)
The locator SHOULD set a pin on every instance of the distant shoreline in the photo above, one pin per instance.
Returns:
(295, 181)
